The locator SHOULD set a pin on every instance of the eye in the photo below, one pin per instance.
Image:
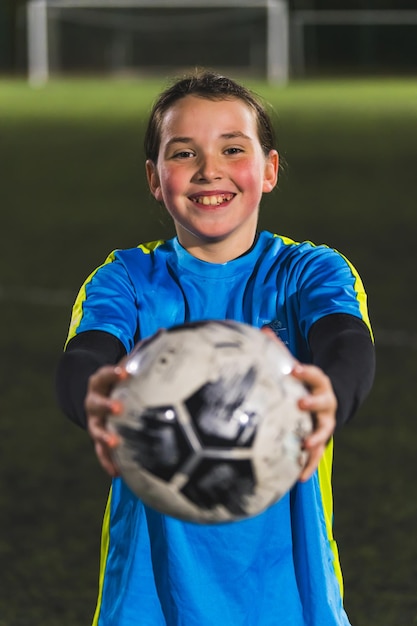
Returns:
(233, 150)
(183, 154)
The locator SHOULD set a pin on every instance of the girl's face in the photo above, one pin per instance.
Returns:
(210, 175)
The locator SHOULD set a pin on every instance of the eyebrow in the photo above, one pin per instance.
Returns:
(178, 140)
(235, 135)
(232, 135)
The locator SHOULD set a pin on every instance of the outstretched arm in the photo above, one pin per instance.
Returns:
(339, 380)
(85, 354)
(341, 345)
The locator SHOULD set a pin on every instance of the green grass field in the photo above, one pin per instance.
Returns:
(73, 189)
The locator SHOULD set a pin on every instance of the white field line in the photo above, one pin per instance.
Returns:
(46, 297)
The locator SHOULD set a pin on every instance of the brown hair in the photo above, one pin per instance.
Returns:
(206, 84)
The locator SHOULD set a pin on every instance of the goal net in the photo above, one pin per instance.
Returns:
(117, 37)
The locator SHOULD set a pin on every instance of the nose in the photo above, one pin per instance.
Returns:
(209, 168)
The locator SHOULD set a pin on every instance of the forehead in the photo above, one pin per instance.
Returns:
(193, 113)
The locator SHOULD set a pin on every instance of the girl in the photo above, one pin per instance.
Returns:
(210, 158)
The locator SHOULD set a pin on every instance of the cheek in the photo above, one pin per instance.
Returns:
(249, 176)
(170, 185)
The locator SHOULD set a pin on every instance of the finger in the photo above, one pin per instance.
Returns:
(105, 459)
(267, 330)
(318, 402)
(98, 431)
(313, 377)
(104, 379)
(312, 463)
(97, 405)
(321, 434)
(104, 443)
(321, 400)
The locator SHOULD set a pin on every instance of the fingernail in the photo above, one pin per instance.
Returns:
(112, 440)
(116, 407)
(121, 373)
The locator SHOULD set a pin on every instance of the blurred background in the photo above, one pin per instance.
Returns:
(333, 37)
(77, 79)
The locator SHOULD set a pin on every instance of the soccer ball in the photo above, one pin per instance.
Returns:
(210, 429)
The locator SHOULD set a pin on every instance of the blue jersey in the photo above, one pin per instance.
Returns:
(278, 568)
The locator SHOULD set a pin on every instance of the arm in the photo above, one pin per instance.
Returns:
(85, 354)
(339, 379)
(341, 345)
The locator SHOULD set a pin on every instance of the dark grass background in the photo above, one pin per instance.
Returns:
(73, 189)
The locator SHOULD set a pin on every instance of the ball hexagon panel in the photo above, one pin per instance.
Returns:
(223, 482)
(158, 444)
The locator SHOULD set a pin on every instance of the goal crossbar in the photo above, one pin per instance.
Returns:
(153, 4)
(277, 31)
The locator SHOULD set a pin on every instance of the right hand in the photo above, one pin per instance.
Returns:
(98, 405)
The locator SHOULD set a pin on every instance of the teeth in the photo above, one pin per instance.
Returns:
(213, 200)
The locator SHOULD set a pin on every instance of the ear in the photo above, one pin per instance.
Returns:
(153, 180)
(271, 171)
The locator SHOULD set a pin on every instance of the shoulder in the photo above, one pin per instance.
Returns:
(303, 255)
(302, 249)
(144, 253)
(119, 270)
(142, 250)
(319, 271)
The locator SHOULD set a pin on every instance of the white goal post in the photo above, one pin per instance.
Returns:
(277, 29)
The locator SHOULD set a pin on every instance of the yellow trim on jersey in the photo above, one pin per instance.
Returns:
(77, 309)
(326, 462)
(360, 295)
(149, 247)
(105, 540)
(325, 482)
(287, 240)
(358, 285)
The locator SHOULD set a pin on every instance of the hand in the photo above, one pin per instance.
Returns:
(98, 405)
(322, 404)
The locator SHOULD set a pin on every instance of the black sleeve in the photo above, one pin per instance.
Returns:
(84, 354)
(342, 346)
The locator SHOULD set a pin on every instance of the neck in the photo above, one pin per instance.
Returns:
(218, 251)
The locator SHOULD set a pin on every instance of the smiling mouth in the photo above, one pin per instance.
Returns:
(214, 200)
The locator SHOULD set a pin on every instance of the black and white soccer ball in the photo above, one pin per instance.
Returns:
(210, 429)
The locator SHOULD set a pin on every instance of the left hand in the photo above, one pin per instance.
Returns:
(322, 403)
